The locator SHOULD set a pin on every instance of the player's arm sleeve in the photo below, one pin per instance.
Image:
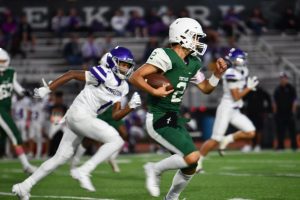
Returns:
(160, 59)
(17, 87)
(96, 75)
(198, 78)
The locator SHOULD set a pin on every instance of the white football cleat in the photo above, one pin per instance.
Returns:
(83, 178)
(20, 191)
(257, 149)
(246, 149)
(30, 169)
(114, 165)
(152, 180)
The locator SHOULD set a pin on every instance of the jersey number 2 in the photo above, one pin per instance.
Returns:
(178, 94)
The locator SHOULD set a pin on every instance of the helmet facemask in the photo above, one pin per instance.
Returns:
(197, 46)
(123, 68)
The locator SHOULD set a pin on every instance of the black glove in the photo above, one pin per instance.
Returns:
(28, 93)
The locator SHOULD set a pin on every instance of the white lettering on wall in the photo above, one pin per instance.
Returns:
(237, 8)
(37, 16)
(200, 13)
(90, 15)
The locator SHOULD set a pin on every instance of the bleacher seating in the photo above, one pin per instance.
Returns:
(47, 61)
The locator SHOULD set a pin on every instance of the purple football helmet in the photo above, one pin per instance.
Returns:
(237, 57)
(117, 55)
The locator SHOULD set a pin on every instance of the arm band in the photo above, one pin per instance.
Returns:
(213, 80)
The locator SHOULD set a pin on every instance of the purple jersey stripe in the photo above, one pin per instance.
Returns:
(102, 71)
(96, 74)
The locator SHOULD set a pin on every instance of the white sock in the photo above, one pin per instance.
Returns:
(103, 153)
(39, 148)
(200, 162)
(173, 162)
(77, 156)
(230, 138)
(113, 162)
(201, 159)
(180, 181)
(22, 157)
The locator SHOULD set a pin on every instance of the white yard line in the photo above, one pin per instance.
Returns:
(238, 199)
(265, 161)
(55, 197)
(263, 175)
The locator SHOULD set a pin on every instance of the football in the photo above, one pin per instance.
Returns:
(157, 80)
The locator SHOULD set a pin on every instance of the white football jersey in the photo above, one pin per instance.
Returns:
(232, 79)
(102, 89)
(21, 108)
(37, 112)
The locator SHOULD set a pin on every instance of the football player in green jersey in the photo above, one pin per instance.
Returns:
(180, 65)
(8, 84)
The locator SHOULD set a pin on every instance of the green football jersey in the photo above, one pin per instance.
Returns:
(6, 88)
(179, 74)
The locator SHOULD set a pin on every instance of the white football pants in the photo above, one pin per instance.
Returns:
(81, 124)
(227, 115)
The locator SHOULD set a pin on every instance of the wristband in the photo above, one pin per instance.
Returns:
(213, 80)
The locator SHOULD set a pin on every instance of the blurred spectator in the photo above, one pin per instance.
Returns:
(107, 45)
(119, 22)
(150, 46)
(74, 20)
(155, 25)
(184, 13)
(285, 108)
(36, 132)
(233, 25)
(137, 25)
(258, 105)
(16, 47)
(288, 21)
(72, 51)
(25, 34)
(256, 22)
(56, 111)
(9, 28)
(168, 17)
(91, 51)
(59, 23)
(3, 41)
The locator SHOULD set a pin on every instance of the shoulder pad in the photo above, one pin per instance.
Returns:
(232, 74)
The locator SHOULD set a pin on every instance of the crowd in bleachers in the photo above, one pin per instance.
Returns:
(16, 33)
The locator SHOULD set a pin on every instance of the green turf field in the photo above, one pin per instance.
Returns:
(267, 175)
